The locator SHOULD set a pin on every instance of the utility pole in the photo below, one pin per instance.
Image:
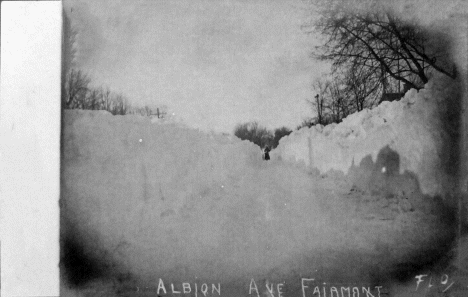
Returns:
(160, 114)
(398, 69)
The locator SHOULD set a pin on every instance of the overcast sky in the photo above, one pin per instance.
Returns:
(214, 63)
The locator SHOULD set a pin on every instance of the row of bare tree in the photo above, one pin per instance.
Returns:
(260, 135)
(338, 96)
(77, 89)
(79, 94)
(373, 52)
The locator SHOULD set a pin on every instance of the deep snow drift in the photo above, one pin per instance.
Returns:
(142, 201)
(415, 127)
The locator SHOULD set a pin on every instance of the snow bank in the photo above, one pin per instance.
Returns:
(413, 127)
(128, 177)
(142, 201)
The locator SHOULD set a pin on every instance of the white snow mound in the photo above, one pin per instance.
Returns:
(412, 127)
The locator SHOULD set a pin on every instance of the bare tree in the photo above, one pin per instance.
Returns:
(255, 133)
(321, 87)
(76, 89)
(68, 54)
(379, 44)
(332, 102)
(94, 99)
(77, 92)
(362, 88)
(106, 98)
(338, 103)
(120, 105)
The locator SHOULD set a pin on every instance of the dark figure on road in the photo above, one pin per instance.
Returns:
(266, 155)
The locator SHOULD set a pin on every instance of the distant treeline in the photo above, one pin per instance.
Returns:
(79, 94)
(260, 135)
(77, 89)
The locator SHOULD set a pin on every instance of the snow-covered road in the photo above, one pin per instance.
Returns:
(142, 201)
